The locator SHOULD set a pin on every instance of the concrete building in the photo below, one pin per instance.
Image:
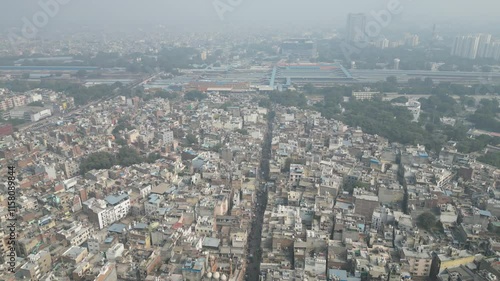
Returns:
(484, 44)
(466, 46)
(365, 205)
(107, 273)
(114, 252)
(168, 137)
(296, 172)
(75, 234)
(37, 266)
(396, 64)
(105, 212)
(364, 95)
(32, 114)
(50, 170)
(300, 48)
(356, 25)
(418, 261)
(71, 168)
(75, 255)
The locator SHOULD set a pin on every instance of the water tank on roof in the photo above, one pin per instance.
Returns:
(209, 274)
(224, 277)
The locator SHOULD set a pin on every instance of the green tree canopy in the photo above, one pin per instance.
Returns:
(191, 139)
(400, 100)
(491, 158)
(288, 98)
(126, 156)
(426, 220)
(36, 103)
(195, 96)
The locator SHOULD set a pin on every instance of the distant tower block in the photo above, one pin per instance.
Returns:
(396, 64)
(204, 55)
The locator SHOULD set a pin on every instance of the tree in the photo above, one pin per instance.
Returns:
(98, 160)
(264, 103)
(392, 80)
(36, 103)
(426, 220)
(225, 105)
(491, 158)
(171, 58)
(439, 226)
(216, 148)
(486, 68)
(152, 157)
(309, 88)
(16, 122)
(126, 156)
(82, 73)
(191, 139)
(400, 100)
(166, 95)
(467, 101)
(195, 96)
(479, 143)
(428, 82)
(485, 121)
(350, 186)
(121, 126)
(242, 131)
(382, 118)
(289, 98)
(489, 106)
(121, 141)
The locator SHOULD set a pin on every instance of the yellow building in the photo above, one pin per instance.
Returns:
(75, 255)
(454, 258)
(80, 270)
(26, 246)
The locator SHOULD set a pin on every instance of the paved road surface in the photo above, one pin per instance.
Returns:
(254, 238)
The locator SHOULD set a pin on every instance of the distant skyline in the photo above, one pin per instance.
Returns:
(201, 13)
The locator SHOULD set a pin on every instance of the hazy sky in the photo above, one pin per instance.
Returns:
(202, 12)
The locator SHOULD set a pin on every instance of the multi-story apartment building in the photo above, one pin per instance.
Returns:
(418, 261)
(76, 234)
(153, 203)
(19, 100)
(105, 212)
(366, 205)
(25, 246)
(37, 266)
(107, 273)
(296, 172)
(71, 168)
